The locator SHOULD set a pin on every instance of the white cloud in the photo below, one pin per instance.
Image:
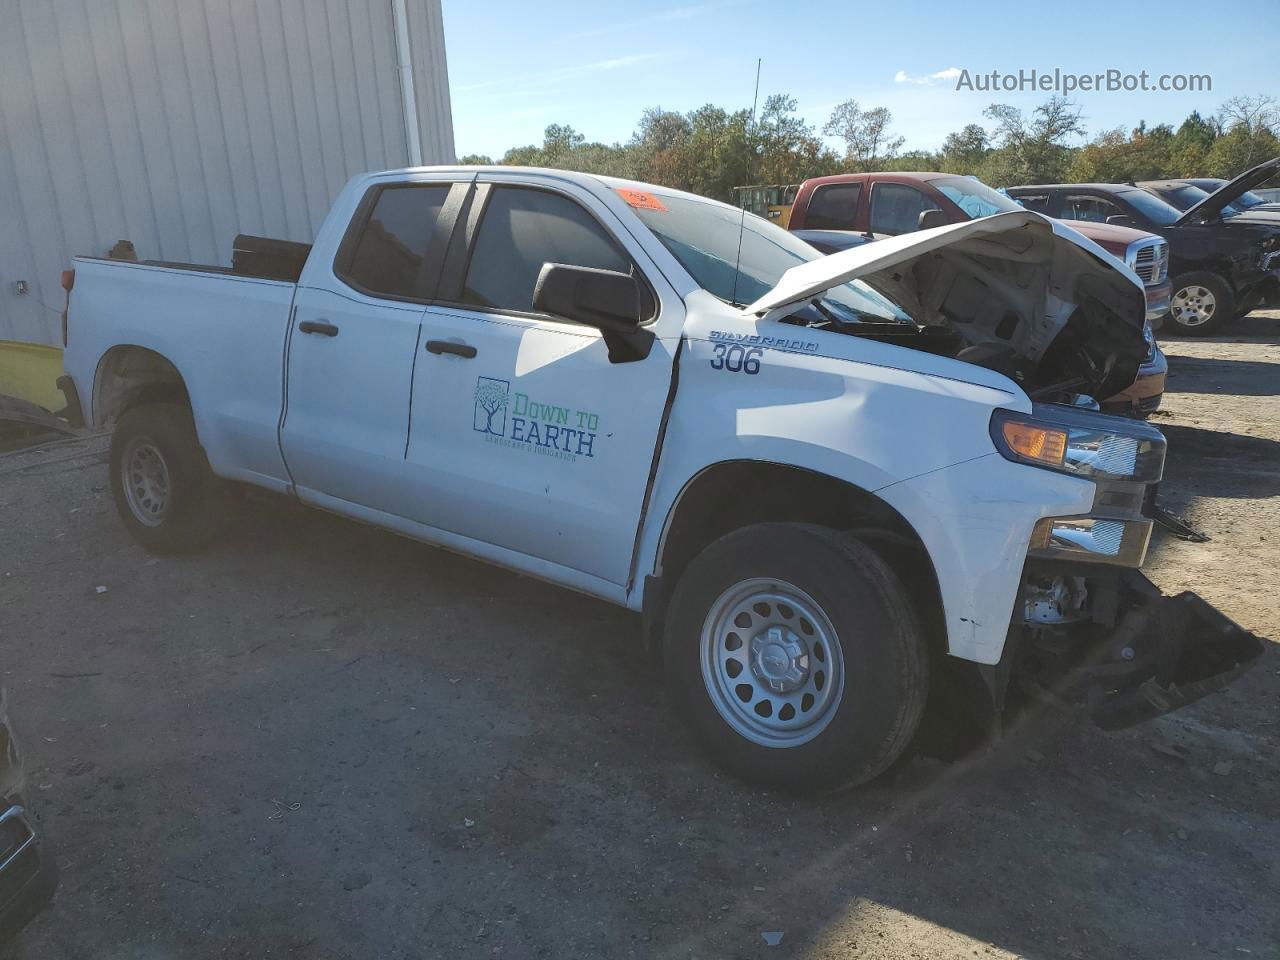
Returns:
(927, 80)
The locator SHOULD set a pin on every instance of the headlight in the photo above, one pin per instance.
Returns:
(1149, 335)
(1080, 443)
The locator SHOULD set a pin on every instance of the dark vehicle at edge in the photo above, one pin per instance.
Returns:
(1248, 201)
(1222, 266)
(27, 874)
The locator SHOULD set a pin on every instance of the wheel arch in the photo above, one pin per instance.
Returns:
(731, 494)
(129, 374)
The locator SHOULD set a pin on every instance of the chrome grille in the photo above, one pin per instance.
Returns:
(1149, 259)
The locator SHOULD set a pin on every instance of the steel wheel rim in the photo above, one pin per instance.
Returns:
(1194, 305)
(772, 663)
(144, 476)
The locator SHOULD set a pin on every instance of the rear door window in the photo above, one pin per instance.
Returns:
(385, 257)
(896, 208)
(523, 229)
(1089, 208)
(833, 206)
(1039, 202)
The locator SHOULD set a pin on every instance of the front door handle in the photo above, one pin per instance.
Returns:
(323, 327)
(451, 346)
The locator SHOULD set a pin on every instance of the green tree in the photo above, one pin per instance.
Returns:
(1191, 144)
(964, 150)
(1114, 157)
(722, 155)
(786, 147)
(1034, 149)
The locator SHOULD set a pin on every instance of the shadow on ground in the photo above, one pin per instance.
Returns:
(1249, 378)
(319, 740)
(1242, 466)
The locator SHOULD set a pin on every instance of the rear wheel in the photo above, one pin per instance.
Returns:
(795, 656)
(1200, 304)
(163, 487)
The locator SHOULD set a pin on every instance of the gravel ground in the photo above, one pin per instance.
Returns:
(316, 740)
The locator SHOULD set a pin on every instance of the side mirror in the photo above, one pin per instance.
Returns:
(1121, 220)
(614, 303)
(929, 219)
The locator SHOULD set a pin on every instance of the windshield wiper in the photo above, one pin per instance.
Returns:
(826, 312)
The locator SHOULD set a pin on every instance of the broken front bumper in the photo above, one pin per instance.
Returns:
(1139, 654)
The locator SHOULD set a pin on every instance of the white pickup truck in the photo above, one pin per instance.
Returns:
(839, 489)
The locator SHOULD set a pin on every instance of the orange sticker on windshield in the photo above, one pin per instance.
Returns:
(641, 200)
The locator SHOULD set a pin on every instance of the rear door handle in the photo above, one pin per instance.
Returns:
(323, 327)
(451, 346)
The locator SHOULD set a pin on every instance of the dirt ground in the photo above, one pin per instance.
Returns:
(316, 740)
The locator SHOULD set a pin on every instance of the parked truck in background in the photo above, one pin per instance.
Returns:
(846, 210)
(1222, 265)
(834, 487)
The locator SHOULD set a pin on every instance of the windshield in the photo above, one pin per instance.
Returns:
(704, 236)
(1157, 211)
(974, 197)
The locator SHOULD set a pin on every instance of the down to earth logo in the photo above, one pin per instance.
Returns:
(491, 406)
(548, 429)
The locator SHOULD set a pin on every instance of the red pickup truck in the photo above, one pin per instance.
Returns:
(835, 213)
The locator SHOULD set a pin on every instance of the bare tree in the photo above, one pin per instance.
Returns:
(867, 144)
(1253, 114)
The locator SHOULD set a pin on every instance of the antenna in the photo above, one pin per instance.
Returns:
(742, 224)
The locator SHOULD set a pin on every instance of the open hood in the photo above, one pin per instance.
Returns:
(1017, 291)
(1212, 205)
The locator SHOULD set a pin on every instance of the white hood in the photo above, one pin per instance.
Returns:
(1012, 280)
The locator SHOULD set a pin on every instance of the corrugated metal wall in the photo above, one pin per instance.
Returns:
(179, 123)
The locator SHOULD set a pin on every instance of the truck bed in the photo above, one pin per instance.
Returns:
(224, 331)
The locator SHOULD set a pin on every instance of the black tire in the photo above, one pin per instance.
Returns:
(1224, 304)
(881, 642)
(188, 509)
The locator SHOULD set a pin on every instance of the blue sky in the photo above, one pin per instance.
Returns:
(515, 67)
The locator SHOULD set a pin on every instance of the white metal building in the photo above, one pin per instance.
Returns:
(178, 124)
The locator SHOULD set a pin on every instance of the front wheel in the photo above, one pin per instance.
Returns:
(1200, 304)
(163, 487)
(795, 655)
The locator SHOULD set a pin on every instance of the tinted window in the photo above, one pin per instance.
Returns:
(1091, 209)
(833, 206)
(387, 256)
(1183, 197)
(896, 208)
(1152, 207)
(1039, 202)
(523, 229)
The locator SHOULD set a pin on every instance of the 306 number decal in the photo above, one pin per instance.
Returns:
(736, 358)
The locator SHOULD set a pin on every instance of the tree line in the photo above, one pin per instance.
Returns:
(711, 150)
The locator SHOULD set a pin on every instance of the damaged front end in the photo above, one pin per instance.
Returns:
(1016, 293)
(1088, 627)
(1117, 644)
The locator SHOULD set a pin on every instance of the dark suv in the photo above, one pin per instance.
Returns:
(1222, 266)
